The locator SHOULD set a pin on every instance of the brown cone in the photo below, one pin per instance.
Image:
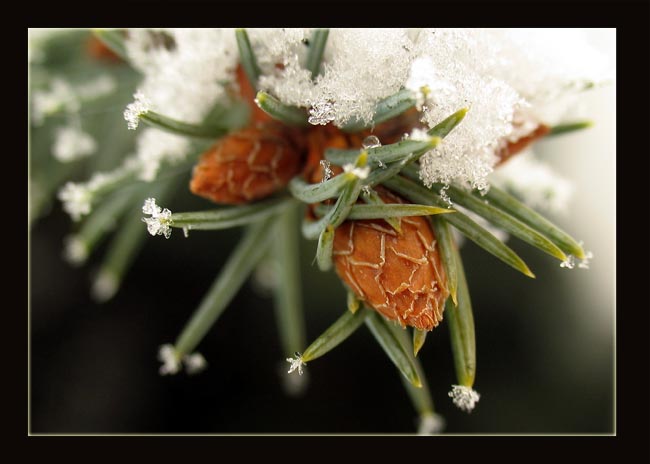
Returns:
(247, 165)
(399, 275)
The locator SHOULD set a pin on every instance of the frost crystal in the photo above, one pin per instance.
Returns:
(327, 171)
(75, 250)
(72, 143)
(105, 286)
(66, 97)
(348, 86)
(296, 363)
(419, 135)
(464, 397)
(160, 221)
(584, 264)
(431, 424)
(77, 199)
(99, 87)
(294, 385)
(534, 182)
(168, 356)
(184, 70)
(321, 113)
(59, 97)
(137, 108)
(507, 78)
(194, 363)
(359, 172)
(155, 147)
(570, 262)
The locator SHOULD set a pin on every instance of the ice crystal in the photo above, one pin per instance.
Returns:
(296, 363)
(77, 199)
(194, 363)
(105, 286)
(59, 97)
(294, 385)
(75, 250)
(95, 88)
(171, 362)
(284, 47)
(72, 143)
(431, 424)
(571, 261)
(493, 72)
(321, 113)
(65, 97)
(155, 147)
(359, 172)
(534, 182)
(184, 69)
(160, 221)
(464, 397)
(141, 105)
(419, 135)
(584, 263)
(507, 78)
(348, 86)
(327, 171)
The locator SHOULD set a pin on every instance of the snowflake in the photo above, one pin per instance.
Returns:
(141, 105)
(296, 363)
(464, 397)
(160, 221)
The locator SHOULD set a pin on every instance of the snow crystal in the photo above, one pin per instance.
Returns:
(168, 356)
(59, 97)
(75, 250)
(348, 86)
(418, 135)
(468, 152)
(296, 363)
(155, 147)
(584, 264)
(100, 86)
(77, 199)
(183, 68)
(534, 182)
(160, 221)
(72, 143)
(431, 424)
(194, 363)
(327, 170)
(64, 96)
(105, 286)
(140, 105)
(359, 172)
(509, 80)
(464, 397)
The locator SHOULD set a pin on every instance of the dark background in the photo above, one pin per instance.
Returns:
(94, 367)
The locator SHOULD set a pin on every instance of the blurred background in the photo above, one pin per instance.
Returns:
(545, 346)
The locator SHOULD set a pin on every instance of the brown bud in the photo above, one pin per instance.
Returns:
(513, 147)
(398, 274)
(248, 164)
(97, 50)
